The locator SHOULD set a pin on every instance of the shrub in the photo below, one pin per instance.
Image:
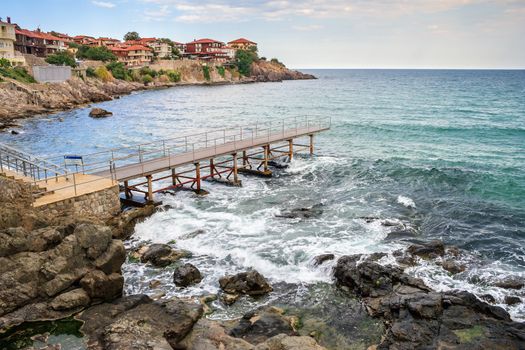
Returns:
(119, 71)
(90, 72)
(96, 53)
(221, 71)
(5, 63)
(103, 74)
(276, 61)
(135, 75)
(16, 73)
(164, 78)
(244, 60)
(206, 72)
(174, 76)
(148, 71)
(146, 79)
(62, 58)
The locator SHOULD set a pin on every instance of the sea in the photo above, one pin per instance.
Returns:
(439, 153)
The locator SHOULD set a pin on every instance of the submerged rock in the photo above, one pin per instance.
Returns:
(302, 213)
(250, 283)
(428, 250)
(186, 275)
(510, 283)
(99, 113)
(161, 255)
(452, 266)
(512, 300)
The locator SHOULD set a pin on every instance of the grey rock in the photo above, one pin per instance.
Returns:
(250, 282)
(186, 275)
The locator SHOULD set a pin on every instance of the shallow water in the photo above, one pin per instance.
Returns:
(443, 152)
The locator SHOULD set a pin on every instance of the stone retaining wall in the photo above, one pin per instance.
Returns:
(102, 204)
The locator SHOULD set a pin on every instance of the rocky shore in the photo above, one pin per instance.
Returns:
(54, 268)
(20, 100)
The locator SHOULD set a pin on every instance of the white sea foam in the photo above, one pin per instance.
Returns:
(406, 201)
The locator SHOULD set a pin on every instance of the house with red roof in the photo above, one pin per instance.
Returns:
(107, 42)
(206, 49)
(242, 44)
(38, 43)
(133, 55)
(84, 40)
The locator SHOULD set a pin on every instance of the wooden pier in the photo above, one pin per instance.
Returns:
(184, 162)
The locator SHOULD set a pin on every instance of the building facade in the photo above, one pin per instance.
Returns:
(242, 44)
(206, 49)
(7, 43)
(134, 55)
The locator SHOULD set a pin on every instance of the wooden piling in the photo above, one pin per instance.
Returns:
(235, 175)
(198, 176)
(212, 167)
(150, 188)
(290, 146)
(265, 161)
(311, 144)
(173, 177)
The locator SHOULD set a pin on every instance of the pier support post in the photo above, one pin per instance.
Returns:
(150, 188)
(266, 156)
(173, 177)
(290, 153)
(311, 144)
(212, 168)
(127, 192)
(244, 159)
(235, 176)
(198, 176)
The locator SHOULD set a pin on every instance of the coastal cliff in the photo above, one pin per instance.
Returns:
(20, 100)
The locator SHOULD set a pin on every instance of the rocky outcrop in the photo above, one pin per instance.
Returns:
(301, 213)
(25, 100)
(55, 271)
(250, 283)
(417, 317)
(264, 71)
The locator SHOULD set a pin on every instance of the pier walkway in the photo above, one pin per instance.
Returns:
(217, 154)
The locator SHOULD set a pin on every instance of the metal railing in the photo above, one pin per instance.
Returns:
(194, 143)
(28, 165)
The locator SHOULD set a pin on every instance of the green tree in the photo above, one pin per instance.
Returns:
(146, 79)
(62, 58)
(131, 36)
(244, 60)
(96, 53)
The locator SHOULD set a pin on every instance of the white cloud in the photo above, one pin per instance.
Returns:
(105, 4)
(157, 15)
(307, 28)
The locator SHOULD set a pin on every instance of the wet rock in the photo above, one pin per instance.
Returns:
(399, 235)
(512, 300)
(319, 259)
(488, 298)
(70, 300)
(186, 275)
(211, 335)
(137, 322)
(161, 255)
(284, 342)
(193, 234)
(256, 327)
(229, 299)
(452, 266)
(99, 113)
(369, 219)
(428, 250)
(510, 283)
(154, 284)
(404, 259)
(302, 213)
(250, 283)
(124, 224)
(14, 132)
(100, 286)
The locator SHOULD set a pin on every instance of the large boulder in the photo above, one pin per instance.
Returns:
(70, 300)
(100, 286)
(258, 326)
(250, 283)
(186, 275)
(162, 255)
(137, 322)
(99, 113)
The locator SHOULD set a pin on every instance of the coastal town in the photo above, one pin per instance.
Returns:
(17, 42)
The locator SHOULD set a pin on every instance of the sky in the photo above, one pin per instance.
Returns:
(308, 33)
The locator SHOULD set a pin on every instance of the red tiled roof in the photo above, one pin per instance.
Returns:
(242, 41)
(137, 48)
(205, 41)
(147, 39)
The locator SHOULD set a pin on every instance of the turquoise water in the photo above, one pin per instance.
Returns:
(442, 152)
